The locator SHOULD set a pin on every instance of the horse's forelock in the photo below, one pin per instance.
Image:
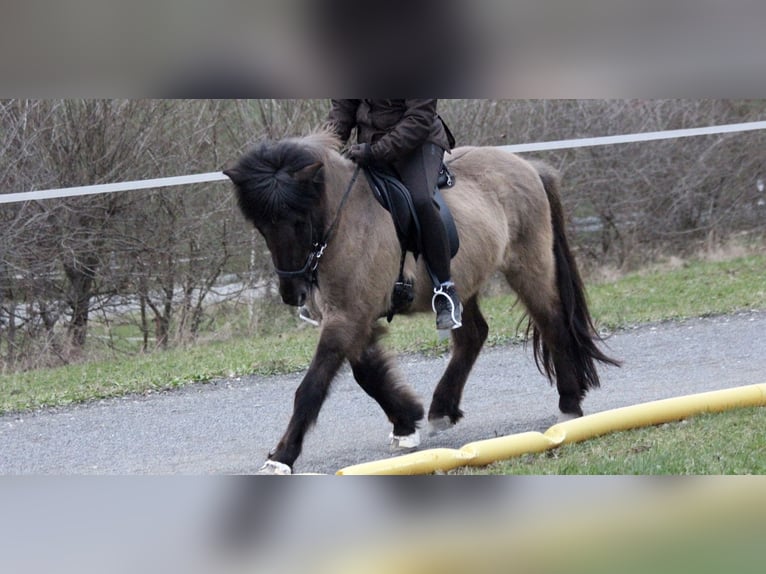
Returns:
(267, 188)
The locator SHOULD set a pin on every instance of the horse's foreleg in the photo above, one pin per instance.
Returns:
(467, 343)
(375, 372)
(309, 397)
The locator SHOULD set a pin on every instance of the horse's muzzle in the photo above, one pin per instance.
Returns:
(293, 292)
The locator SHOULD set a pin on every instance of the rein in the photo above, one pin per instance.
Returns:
(309, 270)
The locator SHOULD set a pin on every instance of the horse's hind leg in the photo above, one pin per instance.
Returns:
(554, 351)
(557, 356)
(375, 372)
(467, 343)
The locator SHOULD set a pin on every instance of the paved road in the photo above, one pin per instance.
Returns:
(229, 426)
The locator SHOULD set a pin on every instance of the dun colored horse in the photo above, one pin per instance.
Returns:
(336, 251)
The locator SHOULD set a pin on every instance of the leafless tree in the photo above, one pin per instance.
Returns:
(156, 258)
(632, 201)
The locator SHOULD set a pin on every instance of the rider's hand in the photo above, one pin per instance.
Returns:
(361, 154)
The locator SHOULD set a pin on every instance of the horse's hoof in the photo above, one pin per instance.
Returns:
(440, 424)
(408, 442)
(274, 467)
(564, 417)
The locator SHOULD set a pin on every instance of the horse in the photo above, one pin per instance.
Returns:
(335, 251)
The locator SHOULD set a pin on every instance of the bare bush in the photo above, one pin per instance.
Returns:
(158, 259)
(632, 201)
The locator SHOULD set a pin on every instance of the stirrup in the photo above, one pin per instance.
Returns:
(455, 311)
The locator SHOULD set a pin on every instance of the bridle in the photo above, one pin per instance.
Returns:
(312, 261)
(309, 269)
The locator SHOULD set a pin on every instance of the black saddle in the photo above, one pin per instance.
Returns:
(395, 198)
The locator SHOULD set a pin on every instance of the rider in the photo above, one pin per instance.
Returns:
(410, 136)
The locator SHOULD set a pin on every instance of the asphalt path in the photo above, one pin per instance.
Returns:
(228, 426)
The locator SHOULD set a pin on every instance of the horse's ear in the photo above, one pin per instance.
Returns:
(232, 171)
(308, 173)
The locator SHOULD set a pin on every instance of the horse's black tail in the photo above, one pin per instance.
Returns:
(583, 337)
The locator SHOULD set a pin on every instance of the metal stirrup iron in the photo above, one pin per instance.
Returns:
(440, 292)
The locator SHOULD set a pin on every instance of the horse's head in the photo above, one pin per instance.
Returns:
(279, 188)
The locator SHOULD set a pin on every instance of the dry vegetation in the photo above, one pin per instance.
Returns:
(79, 273)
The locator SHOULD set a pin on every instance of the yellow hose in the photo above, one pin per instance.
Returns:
(482, 453)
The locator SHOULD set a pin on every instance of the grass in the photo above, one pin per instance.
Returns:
(145, 373)
(693, 289)
(696, 288)
(728, 443)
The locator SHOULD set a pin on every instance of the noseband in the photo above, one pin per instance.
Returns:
(309, 269)
(312, 262)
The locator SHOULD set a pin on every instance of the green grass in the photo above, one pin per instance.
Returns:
(697, 288)
(728, 443)
(158, 371)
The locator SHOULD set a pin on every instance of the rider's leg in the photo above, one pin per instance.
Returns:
(419, 172)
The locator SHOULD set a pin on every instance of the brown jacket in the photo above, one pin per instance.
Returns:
(394, 128)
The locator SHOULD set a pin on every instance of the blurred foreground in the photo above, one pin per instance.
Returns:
(455, 48)
(377, 525)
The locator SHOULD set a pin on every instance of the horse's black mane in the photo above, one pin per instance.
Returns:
(266, 188)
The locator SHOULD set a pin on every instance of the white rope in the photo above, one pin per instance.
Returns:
(633, 138)
(520, 148)
(113, 187)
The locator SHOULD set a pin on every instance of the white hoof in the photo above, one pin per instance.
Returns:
(564, 417)
(274, 467)
(435, 426)
(408, 442)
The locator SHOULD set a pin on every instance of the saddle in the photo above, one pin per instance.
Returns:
(395, 198)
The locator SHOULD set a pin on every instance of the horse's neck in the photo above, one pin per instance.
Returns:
(359, 210)
(363, 256)
(337, 186)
